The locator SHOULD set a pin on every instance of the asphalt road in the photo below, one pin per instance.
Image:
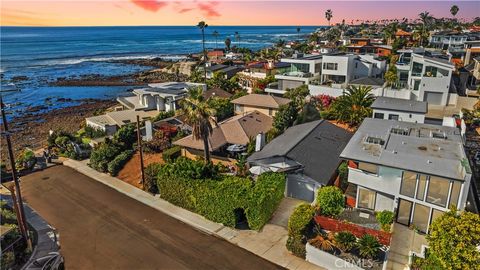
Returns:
(101, 228)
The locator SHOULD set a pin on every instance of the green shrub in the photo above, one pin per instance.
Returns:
(125, 137)
(368, 246)
(172, 153)
(26, 160)
(345, 240)
(331, 201)
(198, 187)
(102, 155)
(343, 175)
(163, 115)
(296, 245)
(92, 132)
(298, 224)
(385, 219)
(119, 161)
(151, 177)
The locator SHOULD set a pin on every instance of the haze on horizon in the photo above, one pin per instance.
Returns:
(154, 12)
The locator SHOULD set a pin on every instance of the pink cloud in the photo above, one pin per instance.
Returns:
(209, 9)
(150, 5)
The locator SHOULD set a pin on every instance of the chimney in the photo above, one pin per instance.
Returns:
(148, 131)
(259, 141)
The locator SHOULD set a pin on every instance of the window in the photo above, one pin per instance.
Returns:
(399, 131)
(430, 71)
(368, 167)
(417, 69)
(270, 111)
(238, 108)
(455, 194)
(422, 184)
(366, 199)
(404, 212)
(378, 115)
(416, 84)
(409, 180)
(393, 117)
(421, 213)
(438, 191)
(439, 135)
(375, 140)
(330, 66)
(435, 214)
(356, 65)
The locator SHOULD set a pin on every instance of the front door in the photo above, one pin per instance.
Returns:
(404, 212)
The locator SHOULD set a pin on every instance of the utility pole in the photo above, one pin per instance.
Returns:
(16, 193)
(140, 150)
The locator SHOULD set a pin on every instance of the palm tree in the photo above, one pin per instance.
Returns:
(328, 15)
(237, 38)
(426, 19)
(215, 34)
(199, 115)
(202, 25)
(228, 42)
(454, 10)
(298, 32)
(354, 105)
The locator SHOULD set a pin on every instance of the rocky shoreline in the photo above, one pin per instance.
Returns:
(31, 130)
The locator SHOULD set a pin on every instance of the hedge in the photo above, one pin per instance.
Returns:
(331, 201)
(298, 224)
(171, 153)
(119, 161)
(102, 155)
(218, 198)
(151, 176)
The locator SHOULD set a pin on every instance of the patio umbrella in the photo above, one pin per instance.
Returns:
(236, 148)
(257, 170)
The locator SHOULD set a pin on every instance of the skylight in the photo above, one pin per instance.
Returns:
(374, 140)
(399, 131)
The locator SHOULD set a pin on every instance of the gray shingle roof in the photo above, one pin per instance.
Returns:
(398, 104)
(368, 81)
(316, 145)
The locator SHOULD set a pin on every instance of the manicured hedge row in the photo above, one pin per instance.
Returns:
(171, 153)
(119, 161)
(298, 223)
(218, 198)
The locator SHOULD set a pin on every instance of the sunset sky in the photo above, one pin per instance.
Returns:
(153, 12)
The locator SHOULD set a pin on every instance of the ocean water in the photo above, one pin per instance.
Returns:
(44, 54)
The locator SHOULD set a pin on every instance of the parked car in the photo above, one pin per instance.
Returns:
(52, 261)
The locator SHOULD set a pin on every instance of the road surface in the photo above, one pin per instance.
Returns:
(101, 228)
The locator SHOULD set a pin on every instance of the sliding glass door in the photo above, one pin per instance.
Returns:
(404, 212)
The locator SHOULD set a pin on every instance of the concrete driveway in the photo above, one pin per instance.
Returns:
(101, 228)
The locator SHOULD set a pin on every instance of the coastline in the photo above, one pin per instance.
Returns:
(31, 130)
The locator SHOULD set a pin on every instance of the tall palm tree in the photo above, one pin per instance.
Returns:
(328, 15)
(215, 34)
(228, 42)
(454, 10)
(237, 38)
(202, 25)
(354, 105)
(298, 32)
(199, 115)
(426, 19)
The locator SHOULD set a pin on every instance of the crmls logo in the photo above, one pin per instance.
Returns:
(352, 263)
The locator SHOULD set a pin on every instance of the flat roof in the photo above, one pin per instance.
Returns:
(398, 104)
(429, 149)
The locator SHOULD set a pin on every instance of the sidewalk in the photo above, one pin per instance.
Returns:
(269, 243)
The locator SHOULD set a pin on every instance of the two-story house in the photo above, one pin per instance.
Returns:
(304, 69)
(429, 78)
(447, 40)
(254, 72)
(342, 68)
(418, 171)
(266, 104)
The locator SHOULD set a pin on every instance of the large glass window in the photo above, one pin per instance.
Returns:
(417, 69)
(416, 84)
(436, 214)
(438, 191)
(421, 213)
(368, 167)
(422, 183)
(330, 66)
(404, 211)
(430, 71)
(366, 199)
(393, 117)
(378, 115)
(409, 180)
(455, 194)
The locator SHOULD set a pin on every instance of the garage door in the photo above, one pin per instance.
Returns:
(299, 188)
(433, 98)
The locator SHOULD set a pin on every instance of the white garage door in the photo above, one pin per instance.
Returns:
(433, 98)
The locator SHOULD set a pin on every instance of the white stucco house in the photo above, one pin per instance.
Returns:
(418, 171)
(399, 109)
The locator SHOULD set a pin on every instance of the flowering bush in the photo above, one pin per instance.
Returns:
(324, 101)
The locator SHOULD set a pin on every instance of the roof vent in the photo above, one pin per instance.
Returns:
(429, 161)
